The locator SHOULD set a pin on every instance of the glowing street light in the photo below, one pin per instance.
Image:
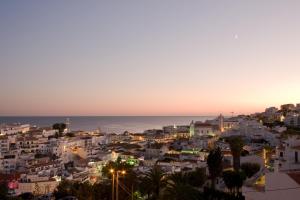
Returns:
(113, 172)
(113, 184)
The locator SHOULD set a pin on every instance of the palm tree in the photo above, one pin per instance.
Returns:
(236, 146)
(83, 191)
(116, 165)
(178, 188)
(234, 180)
(197, 178)
(102, 190)
(153, 183)
(215, 165)
(63, 189)
(250, 168)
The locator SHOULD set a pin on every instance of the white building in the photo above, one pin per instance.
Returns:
(98, 139)
(155, 150)
(48, 132)
(4, 144)
(288, 155)
(203, 129)
(223, 123)
(297, 107)
(292, 119)
(35, 184)
(8, 162)
(27, 144)
(270, 111)
(13, 129)
(287, 107)
(272, 114)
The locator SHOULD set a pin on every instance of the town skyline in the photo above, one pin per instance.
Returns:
(149, 100)
(147, 59)
(226, 114)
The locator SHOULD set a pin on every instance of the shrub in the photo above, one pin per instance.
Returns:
(250, 168)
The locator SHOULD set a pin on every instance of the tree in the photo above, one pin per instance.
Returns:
(236, 146)
(82, 191)
(153, 182)
(116, 165)
(102, 190)
(196, 178)
(211, 194)
(60, 127)
(26, 195)
(215, 166)
(178, 188)
(70, 134)
(180, 191)
(65, 188)
(234, 180)
(3, 190)
(250, 168)
(128, 183)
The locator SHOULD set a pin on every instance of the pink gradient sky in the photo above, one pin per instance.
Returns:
(148, 58)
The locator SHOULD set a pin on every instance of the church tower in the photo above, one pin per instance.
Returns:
(192, 129)
(221, 123)
(68, 124)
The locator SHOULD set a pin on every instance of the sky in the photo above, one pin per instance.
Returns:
(155, 57)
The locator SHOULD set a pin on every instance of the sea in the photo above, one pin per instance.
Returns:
(108, 124)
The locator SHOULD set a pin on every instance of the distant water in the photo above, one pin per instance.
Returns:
(109, 124)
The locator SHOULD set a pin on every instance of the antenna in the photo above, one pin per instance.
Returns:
(232, 113)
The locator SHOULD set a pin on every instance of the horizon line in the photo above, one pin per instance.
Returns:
(109, 115)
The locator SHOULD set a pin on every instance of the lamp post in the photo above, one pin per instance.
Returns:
(117, 186)
(113, 184)
(123, 172)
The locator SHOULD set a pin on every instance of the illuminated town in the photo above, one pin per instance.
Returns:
(149, 100)
(36, 160)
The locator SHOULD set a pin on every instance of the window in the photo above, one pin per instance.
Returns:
(281, 154)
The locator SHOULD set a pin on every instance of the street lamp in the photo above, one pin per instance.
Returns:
(113, 183)
(123, 172)
(113, 172)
